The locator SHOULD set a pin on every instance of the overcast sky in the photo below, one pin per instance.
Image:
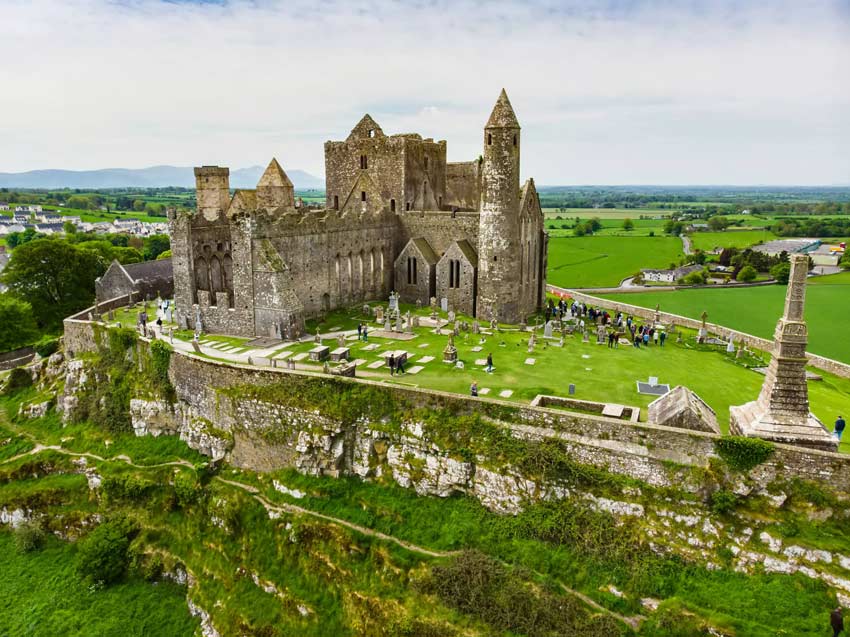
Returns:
(618, 92)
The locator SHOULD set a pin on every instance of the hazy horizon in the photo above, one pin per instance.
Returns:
(608, 93)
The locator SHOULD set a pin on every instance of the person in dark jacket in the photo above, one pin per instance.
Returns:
(836, 621)
(391, 363)
(839, 427)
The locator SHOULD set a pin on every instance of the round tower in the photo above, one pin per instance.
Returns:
(499, 249)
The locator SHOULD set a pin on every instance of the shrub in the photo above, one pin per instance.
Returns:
(746, 274)
(742, 454)
(695, 278)
(781, 272)
(103, 555)
(29, 536)
(19, 378)
(46, 346)
(723, 501)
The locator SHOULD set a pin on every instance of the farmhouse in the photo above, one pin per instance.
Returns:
(669, 276)
(789, 246)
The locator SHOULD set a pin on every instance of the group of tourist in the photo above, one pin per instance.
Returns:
(396, 364)
(363, 332)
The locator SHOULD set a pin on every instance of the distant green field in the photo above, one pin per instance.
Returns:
(756, 310)
(600, 261)
(605, 213)
(730, 239)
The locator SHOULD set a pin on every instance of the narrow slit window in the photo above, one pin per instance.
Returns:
(489, 139)
(392, 205)
(336, 202)
(362, 195)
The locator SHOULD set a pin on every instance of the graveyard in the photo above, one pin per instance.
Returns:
(597, 373)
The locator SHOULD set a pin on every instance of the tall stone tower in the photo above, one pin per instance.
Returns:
(781, 413)
(212, 191)
(499, 248)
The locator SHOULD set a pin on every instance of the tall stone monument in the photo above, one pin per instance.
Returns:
(781, 413)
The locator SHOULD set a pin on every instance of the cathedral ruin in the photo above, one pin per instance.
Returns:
(397, 216)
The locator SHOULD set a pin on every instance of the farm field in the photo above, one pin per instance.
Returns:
(600, 261)
(708, 241)
(604, 213)
(756, 310)
(610, 228)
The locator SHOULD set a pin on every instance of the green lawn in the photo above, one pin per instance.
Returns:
(730, 239)
(756, 310)
(605, 213)
(42, 596)
(600, 374)
(599, 261)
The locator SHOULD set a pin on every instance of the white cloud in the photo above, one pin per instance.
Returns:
(641, 92)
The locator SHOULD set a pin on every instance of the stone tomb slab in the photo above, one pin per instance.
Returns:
(320, 353)
(359, 361)
(397, 336)
(264, 342)
(340, 354)
(300, 356)
(375, 364)
(477, 348)
(283, 355)
(613, 410)
(423, 346)
(530, 361)
(415, 369)
(371, 347)
(481, 361)
(262, 361)
(426, 359)
(652, 390)
(506, 393)
(483, 391)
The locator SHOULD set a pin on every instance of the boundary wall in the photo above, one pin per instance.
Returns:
(815, 360)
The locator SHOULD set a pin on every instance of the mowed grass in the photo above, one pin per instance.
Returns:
(756, 310)
(599, 373)
(599, 261)
(708, 241)
(605, 213)
(43, 596)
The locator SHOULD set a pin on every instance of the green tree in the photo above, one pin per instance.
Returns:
(155, 245)
(164, 255)
(781, 272)
(628, 224)
(747, 273)
(54, 276)
(138, 205)
(69, 228)
(695, 278)
(718, 223)
(845, 261)
(79, 202)
(17, 323)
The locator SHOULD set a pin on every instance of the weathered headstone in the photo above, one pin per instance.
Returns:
(415, 320)
(451, 316)
(450, 351)
(476, 327)
(340, 340)
(444, 304)
(318, 337)
(547, 331)
(379, 314)
(387, 326)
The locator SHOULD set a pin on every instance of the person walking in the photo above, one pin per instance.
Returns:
(839, 427)
(836, 621)
(646, 339)
(365, 333)
(662, 337)
(489, 368)
(391, 363)
(399, 364)
(359, 330)
(473, 389)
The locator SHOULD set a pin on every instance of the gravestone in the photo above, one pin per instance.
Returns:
(523, 326)
(379, 314)
(444, 304)
(320, 353)
(456, 329)
(393, 305)
(415, 320)
(730, 347)
(418, 303)
(572, 389)
(585, 337)
(367, 311)
(387, 326)
(340, 354)
(318, 337)
(398, 327)
(409, 324)
(434, 303)
(601, 334)
(476, 327)
(110, 315)
(451, 316)
(547, 331)
(703, 330)
(450, 351)
(340, 340)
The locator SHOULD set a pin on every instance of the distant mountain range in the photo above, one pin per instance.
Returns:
(153, 177)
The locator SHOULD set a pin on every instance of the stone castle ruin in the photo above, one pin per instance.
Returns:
(398, 217)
